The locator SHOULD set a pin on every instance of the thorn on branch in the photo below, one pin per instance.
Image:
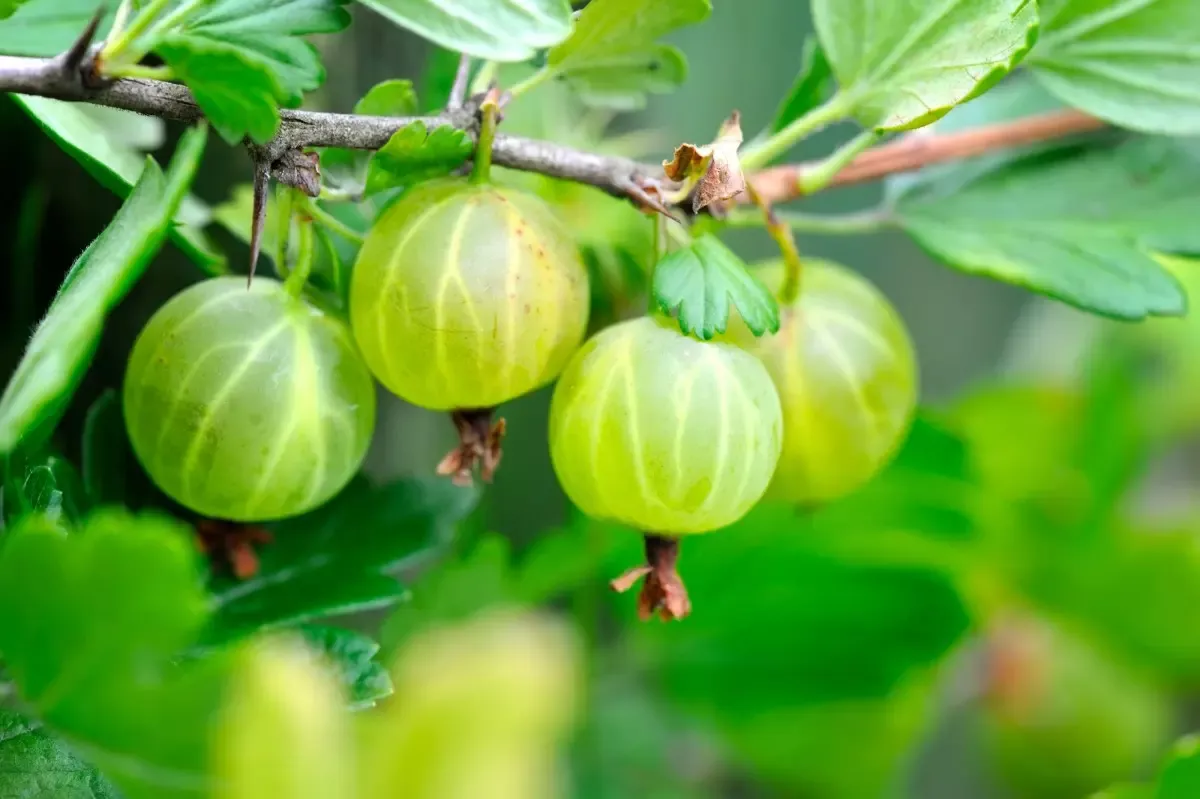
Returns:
(295, 168)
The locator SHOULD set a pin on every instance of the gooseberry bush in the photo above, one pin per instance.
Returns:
(237, 561)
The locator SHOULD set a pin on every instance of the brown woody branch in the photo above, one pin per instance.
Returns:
(63, 78)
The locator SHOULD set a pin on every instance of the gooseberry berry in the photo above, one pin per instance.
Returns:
(844, 366)
(464, 296)
(247, 404)
(666, 433)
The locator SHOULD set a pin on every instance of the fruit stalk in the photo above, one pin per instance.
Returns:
(481, 171)
(662, 591)
(479, 442)
(786, 240)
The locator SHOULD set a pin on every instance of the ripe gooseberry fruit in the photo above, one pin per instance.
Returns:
(466, 295)
(844, 366)
(665, 433)
(247, 404)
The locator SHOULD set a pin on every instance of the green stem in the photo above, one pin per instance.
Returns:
(816, 178)
(482, 169)
(328, 220)
(115, 48)
(483, 78)
(305, 255)
(120, 18)
(818, 224)
(533, 81)
(758, 156)
(284, 201)
(139, 71)
(782, 234)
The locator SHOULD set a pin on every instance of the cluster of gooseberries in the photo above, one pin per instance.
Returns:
(255, 405)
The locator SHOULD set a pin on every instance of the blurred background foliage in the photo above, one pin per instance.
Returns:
(1007, 611)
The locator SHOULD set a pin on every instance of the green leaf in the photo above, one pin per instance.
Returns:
(499, 30)
(9, 7)
(105, 451)
(243, 59)
(437, 79)
(46, 28)
(44, 484)
(700, 281)
(611, 58)
(414, 154)
(456, 590)
(1026, 224)
(237, 96)
(392, 98)
(901, 65)
(1180, 777)
(64, 341)
(352, 656)
(1135, 64)
(33, 763)
(89, 625)
(106, 142)
(812, 87)
(333, 560)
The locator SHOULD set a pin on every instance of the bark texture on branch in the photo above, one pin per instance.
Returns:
(61, 78)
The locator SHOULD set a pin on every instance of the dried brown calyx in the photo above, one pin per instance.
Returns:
(479, 444)
(232, 545)
(662, 591)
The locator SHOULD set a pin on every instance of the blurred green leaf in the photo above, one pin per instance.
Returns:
(612, 58)
(33, 763)
(63, 343)
(9, 7)
(1180, 777)
(105, 451)
(89, 624)
(702, 280)
(812, 86)
(45, 484)
(334, 560)
(243, 59)
(437, 79)
(902, 65)
(454, 590)
(392, 98)
(1133, 64)
(48, 27)
(1025, 224)
(414, 153)
(106, 143)
(352, 655)
(347, 169)
(503, 30)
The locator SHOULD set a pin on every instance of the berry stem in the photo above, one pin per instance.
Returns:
(781, 232)
(662, 591)
(481, 171)
(305, 255)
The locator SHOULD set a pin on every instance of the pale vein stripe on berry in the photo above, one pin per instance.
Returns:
(723, 439)
(682, 411)
(192, 315)
(452, 271)
(634, 427)
(847, 371)
(309, 394)
(795, 394)
(168, 418)
(852, 325)
(510, 295)
(598, 480)
(206, 421)
(748, 423)
(382, 328)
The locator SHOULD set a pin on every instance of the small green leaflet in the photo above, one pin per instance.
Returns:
(901, 65)
(612, 59)
(700, 281)
(108, 142)
(498, 30)
(811, 88)
(34, 763)
(1025, 224)
(352, 655)
(414, 154)
(64, 341)
(1135, 64)
(9, 7)
(45, 28)
(45, 484)
(347, 169)
(243, 59)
